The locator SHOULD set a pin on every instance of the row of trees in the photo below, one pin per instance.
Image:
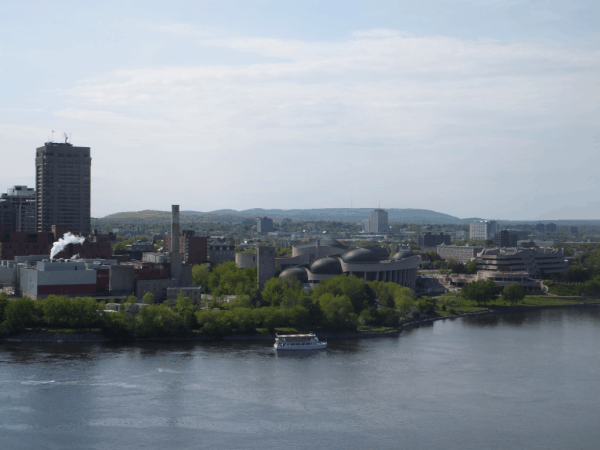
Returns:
(337, 304)
(486, 291)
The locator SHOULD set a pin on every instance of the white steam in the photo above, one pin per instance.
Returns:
(67, 239)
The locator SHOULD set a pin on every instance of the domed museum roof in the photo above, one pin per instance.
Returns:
(403, 254)
(326, 266)
(296, 272)
(369, 254)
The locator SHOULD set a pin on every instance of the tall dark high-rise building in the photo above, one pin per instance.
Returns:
(63, 187)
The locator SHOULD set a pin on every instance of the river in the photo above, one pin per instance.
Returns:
(514, 381)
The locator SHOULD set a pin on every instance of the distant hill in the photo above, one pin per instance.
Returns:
(147, 214)
(340, 214)
(419, 215)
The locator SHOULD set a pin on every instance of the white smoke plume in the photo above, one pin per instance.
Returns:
(67, 239)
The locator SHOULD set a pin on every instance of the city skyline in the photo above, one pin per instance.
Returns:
(263, 105)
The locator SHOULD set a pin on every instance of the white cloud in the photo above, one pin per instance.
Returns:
(380, 95)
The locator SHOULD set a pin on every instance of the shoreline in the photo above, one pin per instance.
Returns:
(96, 338)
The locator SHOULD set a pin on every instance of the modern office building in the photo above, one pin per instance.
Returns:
(264, 224)
(63, 187)
(378, 223)
(536, 262)
(482, 230)
(17, 209)
(505, 239)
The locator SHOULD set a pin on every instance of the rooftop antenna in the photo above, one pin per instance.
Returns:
(66, 138)
(52, 136)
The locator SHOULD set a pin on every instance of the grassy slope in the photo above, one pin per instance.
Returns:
(460, 305)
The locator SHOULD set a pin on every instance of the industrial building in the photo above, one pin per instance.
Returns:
(74, 278)
(193, 248)
(371, 263)
(17, 209)
(95, 246)
(14, 244)
(62, 181)
(219, 253)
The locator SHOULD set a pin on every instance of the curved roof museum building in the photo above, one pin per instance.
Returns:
(371, 263)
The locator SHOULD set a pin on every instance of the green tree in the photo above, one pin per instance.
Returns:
(356, 289)
(471, 267)
(200, 276)
(456, 267)
(404, 299)
(285, 292)
(186, 311)
(514, 293)
(427, 305)
(591, 287)
(19, 313)
(480, 291)
(3, 304)
(227, 279)
(148, 298)
(338, 312)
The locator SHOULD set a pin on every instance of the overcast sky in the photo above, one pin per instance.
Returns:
(487, 108)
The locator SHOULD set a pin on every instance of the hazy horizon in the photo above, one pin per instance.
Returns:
(469, 108)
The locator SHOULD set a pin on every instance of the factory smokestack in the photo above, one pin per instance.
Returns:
(175, 228)
(176, 257)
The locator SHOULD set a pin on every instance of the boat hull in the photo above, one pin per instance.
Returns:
(319, 346)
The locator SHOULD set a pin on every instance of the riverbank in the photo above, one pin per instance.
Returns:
(46, 336)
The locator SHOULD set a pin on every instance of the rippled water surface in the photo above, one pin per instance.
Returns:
(525, 381)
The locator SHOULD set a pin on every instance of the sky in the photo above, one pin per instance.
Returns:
(474, 108)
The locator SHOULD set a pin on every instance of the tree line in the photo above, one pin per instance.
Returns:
(341, 303)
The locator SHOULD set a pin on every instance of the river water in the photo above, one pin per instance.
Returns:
(518, 381)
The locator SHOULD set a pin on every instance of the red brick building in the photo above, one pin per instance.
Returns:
(24, 244)
(193, 248)
(95, 246)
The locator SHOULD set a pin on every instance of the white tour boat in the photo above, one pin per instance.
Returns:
(298, 342)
